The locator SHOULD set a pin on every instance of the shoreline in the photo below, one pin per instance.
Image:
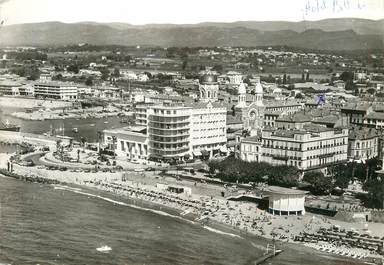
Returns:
(167, 210)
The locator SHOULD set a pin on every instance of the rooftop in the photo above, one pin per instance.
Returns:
(281, 190)
(375, 116)
(56, 83)
(362, 133)
(296, 117)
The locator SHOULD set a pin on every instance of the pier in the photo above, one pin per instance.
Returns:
(270, 253)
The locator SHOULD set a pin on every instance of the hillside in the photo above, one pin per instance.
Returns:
(204, 34)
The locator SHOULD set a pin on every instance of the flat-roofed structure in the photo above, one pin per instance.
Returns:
(284, 201)
(56, 90)
(169, 131)
(129, 142)
(10, 88)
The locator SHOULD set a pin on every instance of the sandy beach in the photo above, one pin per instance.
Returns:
(240, 218)
(22, 103)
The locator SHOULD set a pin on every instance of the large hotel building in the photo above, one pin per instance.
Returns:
(56, 90)
(177, 130)
(308, 148)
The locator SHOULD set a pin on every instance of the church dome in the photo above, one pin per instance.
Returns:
(259, 88)
(208, 78)
(242, 89)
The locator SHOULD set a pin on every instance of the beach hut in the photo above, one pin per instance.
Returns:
(284, 201)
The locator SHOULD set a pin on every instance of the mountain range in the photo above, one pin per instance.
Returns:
(328, 34)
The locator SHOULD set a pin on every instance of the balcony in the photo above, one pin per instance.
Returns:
(169, 152)
(169, 133)
(175, 141)
(167, 128)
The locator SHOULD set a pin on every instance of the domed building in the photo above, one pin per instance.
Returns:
(208, 87)
(251, 115)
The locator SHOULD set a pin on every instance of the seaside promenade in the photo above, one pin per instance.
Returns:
(205, 204)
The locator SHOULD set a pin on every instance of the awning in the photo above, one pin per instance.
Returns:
(197, 153)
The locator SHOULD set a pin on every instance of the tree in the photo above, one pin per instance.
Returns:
(58, 77)
(116, 72)
(371, 90)
(349, 85)
(89, 81)
(319, 183)
(299, 96)
(346, 76)
(83, 141)
(375, 188)
(218, 67)
(233, 108)
(284, 79)
(302, 76)
(33, 73)
(148, 74)
(184, 65)
(286, 176)
(307, 77)
(73, 68)
(342, 175)
(104, 74)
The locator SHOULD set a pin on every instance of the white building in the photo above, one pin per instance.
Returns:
(235, 78)
(363, 143)
(56, 90)
(283, 201)
(128, 74)
(10, 88)
(177, 130)
(312, 147)
(107, 92)
(142, 77)
(208, 128)
(131, 142)
(169, 131)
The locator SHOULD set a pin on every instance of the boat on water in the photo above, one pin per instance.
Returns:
(92, 125)
(6, 126)
(75, 130)
(105, 122)
(104, 249)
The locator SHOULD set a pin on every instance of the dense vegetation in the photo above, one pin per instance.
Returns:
(339, 176)
(235, 170)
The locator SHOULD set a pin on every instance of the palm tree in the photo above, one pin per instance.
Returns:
(114, 140)
(83, 141)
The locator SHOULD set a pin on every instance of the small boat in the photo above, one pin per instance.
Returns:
(105, 122)
(92, 124)
(75, 130)
(104, 249)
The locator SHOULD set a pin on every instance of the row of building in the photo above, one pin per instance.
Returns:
(277, 133)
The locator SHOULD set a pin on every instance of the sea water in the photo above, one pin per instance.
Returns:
(41, 224)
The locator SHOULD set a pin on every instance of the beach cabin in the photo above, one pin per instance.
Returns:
(284, 201)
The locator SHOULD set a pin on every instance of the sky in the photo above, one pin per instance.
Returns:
(140, 12)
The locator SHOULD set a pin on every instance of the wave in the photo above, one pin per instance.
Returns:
(78, 191)
(221, 232)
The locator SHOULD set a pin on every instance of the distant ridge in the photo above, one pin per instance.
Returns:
(328, 34)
